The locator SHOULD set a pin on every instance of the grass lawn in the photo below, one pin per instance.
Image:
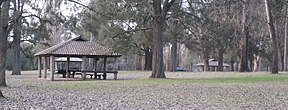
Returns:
(135, 90)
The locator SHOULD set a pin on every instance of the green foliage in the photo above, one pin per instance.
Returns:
(28, 61)
(278, 8)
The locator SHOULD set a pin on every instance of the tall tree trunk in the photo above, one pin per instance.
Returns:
(274, 69)
(205, 58)
(3, 39)
(220, 57)
(158, 64)
(173, 63)
(159, 15)
(139, 62)
(256, 62)
(280, 60)
(17, 39)
(244, 38)
(232, 62)
(148, 58)
(286, 37)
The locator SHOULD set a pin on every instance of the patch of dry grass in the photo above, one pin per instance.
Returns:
(134, 90)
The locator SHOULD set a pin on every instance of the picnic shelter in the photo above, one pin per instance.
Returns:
(77, 47)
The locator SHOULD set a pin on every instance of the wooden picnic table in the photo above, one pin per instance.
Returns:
(96, 74)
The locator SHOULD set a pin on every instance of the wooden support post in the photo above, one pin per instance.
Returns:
(83, 68)
(115, 67)
(52, 65)
(95, 67)
(115, 76)
(104, 68)
(39, 67)
(67, 67)
(45, 67)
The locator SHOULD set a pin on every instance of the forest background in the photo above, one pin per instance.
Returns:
(249, 35)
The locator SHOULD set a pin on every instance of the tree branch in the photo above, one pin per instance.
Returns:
(129, 31)
(73, 1)
(43, 20)
(167, 6)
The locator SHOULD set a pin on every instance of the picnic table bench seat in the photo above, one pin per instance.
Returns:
(94, 73)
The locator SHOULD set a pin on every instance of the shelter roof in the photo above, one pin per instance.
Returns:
(64, 59)
(78, 47)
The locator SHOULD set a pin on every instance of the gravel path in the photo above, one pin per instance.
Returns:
(134, 91)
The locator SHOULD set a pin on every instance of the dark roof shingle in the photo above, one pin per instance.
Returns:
(77, 47)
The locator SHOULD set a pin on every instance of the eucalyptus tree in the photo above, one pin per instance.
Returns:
(274, 69)
(278, 15)
(28, 25)
(223, 15)
(133, 23)
(174, 35)
(286, 37)
(244, 37)
(199, 25)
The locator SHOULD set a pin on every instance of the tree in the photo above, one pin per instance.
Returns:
(274, 69)
(244, 38)
(159, 15)
(3, 39)
(1, 94)
(286, 36)
(174, 35)
(17, 24)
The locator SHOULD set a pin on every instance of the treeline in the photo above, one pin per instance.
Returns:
(155, 33)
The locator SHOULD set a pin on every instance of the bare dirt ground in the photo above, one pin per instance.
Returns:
(134, 90)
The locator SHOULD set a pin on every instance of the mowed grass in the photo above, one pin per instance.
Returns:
(173, 78)
(134, 89)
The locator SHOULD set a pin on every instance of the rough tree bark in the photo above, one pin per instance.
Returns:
(205, 58)
(173, 63)
(17, 39)
(148, 58)
(244, 38)
(3, 39)
(159, 15)
(220, 57)
(274, 69)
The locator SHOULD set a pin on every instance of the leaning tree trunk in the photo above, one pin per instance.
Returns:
(274, 69)
(3, 39)
(1, 94)
(286, 36)
(159, 15)
(244, 39)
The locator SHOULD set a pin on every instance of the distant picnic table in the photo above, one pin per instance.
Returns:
(96, 74)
